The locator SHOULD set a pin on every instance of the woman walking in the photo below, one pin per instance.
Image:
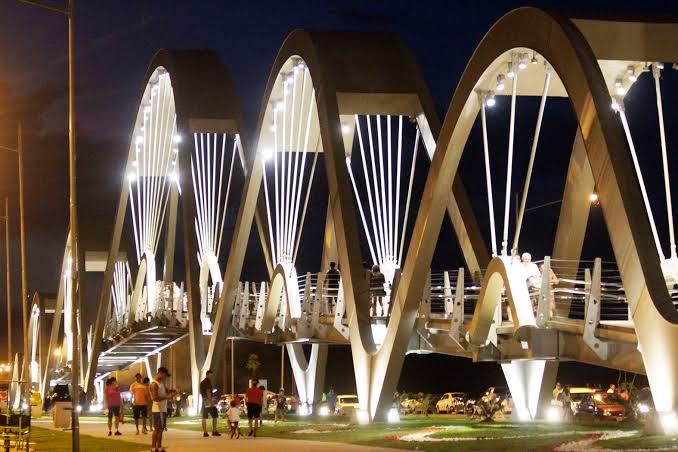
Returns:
(112, 402)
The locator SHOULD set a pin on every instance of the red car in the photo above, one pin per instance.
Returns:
(605, 405)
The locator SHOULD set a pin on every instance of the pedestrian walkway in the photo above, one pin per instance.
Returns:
(193, 441)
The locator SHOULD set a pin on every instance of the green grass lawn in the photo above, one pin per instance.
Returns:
(441, 433)
(640, 441)
(43, 439)
(444, 432)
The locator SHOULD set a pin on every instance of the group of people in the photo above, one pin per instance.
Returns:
(254, 399)
(377, 282)
(145, 393)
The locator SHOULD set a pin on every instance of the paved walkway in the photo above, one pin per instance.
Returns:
(192, 441)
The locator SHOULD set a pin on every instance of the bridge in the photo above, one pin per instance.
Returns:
(349, 113)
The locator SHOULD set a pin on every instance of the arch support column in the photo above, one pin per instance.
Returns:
(309, 374)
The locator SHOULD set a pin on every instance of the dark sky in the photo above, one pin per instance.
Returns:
(114, 44)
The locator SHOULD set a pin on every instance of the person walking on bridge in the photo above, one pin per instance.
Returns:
(377, 282)
(209, 408)
(140, 404)
(332, 287)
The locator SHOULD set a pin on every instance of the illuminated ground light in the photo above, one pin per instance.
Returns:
(554, 414)
(393, 416)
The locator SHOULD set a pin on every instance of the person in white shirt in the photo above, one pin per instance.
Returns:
(530, 271)
(233, 416)
(160, 395)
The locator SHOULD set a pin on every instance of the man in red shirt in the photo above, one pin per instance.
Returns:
(254, 398)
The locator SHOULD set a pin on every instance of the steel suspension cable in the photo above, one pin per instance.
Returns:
(488, 177)
(409, 195)
(369, 189)
(509, 165)
(533, 152)
(665, 161)
(632, 147)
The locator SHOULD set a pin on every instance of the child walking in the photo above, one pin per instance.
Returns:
(233, 416)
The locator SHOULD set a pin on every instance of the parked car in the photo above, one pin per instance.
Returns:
(451, 402)
(419, 404)
(602, 405)
(347, 403)
(576, 396)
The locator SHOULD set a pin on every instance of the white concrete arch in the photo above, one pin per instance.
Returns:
(563, 42)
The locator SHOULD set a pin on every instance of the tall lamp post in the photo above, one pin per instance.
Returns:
(75, 370)
(19, 150)
(8, 282)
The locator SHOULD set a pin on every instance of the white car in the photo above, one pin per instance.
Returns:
(451, 402)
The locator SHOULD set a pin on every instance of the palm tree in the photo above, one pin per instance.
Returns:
(253, 364)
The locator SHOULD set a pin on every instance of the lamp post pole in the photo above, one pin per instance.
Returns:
(8, 282)
(19, 150)
(75, 365)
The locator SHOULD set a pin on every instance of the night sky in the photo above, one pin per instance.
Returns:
(114, 44)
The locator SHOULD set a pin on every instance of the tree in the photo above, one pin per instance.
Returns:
(253, 364)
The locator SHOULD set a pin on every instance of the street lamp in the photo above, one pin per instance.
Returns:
(68, 13)
(19, 150)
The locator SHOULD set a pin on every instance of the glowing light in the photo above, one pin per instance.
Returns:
(78, 409)
(510, 73)
(669, 422)
(631, 71)
(175, 150)
(96, 408)
(500, 83)
(174, 177)
(176, 138)
(266, 154)
(619, 87)
(278, 106)
(131, 177)
(522, 64)
(393, 416)
(554, 414)
(24, 406)
(324, 411)
(593, 197)
(348, 160)
(303, 410)
(345, 128)
(534, 58)
(191, 411)
(140, 139)
(615, 105)
(490, 101)
(57, 352)
(643, 408)
(362, 417)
